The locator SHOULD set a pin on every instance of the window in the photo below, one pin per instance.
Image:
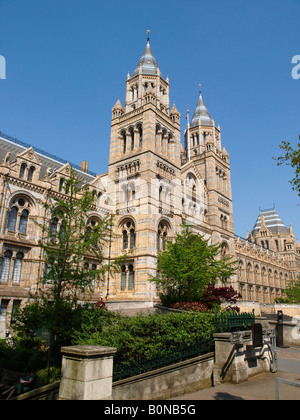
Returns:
(127, 277)
(162, 234)
(23, 222)
(18, 215)
(3, 309)
(61, 184)
(123, 278)
(17, 268)
(5, 268)
(123, 134)
(22, 170)
(129, 235)
(53, 227)
(125, 239)
(30, 173)
(93, 276)
(141, 136)
(15, 307)
(132, 138)
(131, 278)
(62, 230)
(12, 219)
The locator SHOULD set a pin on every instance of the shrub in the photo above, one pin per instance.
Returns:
(142, 336)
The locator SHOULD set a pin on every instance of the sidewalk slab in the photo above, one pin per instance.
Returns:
(260, 387)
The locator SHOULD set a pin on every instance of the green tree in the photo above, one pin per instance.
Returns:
(291, 158)
(188, 265)
(67, 244)
(293, 291)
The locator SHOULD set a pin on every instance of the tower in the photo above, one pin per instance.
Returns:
(144, 175)
(204, 150)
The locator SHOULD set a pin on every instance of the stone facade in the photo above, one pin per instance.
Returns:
(151, 183)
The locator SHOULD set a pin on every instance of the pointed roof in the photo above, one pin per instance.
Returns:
(147, 62)
(202, 113)
(118, 105)
(271, 220)
(174, 109)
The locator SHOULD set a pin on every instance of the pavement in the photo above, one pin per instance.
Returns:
(260, 387)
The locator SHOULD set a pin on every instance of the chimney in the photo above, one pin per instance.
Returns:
(84, 166)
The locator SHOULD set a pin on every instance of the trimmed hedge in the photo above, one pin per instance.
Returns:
(142, 336)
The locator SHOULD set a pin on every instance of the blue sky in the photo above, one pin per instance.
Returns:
(67, 62)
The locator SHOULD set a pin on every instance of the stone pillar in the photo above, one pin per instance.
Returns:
(86, 373)
(236, 362)
(230, 363)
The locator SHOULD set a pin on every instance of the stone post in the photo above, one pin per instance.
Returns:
(86, 373)
(235, 362)
(229, 361)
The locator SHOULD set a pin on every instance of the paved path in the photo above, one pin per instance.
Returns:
(260, 387)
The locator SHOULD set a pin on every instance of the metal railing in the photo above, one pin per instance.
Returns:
(225, 322)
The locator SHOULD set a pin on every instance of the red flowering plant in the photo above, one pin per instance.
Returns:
(191, 306)
(215, 296)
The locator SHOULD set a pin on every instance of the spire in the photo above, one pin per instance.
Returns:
(147, 62)
(201, 113)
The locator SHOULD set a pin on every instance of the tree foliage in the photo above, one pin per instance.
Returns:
(293, 291)
(68, 245)
(188, 265)
(291, 158)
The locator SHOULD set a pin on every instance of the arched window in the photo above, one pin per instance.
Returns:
(162, 233)
(131, 278)
(194, 193)
(93, 275)
(132, 238)
(129, 235)
(17, 268)
(160, 195)
(127, 277)
(224, 249)
(23, 222)
(30, 173)
(12, 219)
(61, 184)
(140, 128)
(53, 227)
(123, 134)
(125, 239)
(131, 191)
(22, 170)
(132, 138)
(62, 230)
(5, 268)
(123, 278)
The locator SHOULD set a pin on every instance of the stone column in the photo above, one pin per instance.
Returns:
(230, 363)
(86, 373)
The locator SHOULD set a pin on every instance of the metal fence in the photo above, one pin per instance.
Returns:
(225, 322)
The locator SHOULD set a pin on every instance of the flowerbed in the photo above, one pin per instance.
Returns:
(191, 306)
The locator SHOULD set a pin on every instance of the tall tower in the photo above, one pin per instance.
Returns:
(143, 173)
(203, 149)
(145, 123)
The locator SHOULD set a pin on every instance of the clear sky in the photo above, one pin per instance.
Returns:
(67, 62)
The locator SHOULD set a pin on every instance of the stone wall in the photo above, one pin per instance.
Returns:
(171, 381)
